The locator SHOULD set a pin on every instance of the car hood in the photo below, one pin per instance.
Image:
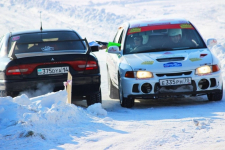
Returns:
(170, 61)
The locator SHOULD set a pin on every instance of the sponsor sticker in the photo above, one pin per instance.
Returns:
(135, 30)
(172, 64)
(195, 59)
(47, 48)
(147, 62)
(185, 26)
(15, 38)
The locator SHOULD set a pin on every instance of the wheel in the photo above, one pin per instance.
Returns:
(215, 96)
(113, 91)
(124, 102)
(94, 98)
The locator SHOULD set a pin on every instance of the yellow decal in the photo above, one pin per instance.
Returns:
(185, 26)
(147, 63)
(195, 59)
(135, 30)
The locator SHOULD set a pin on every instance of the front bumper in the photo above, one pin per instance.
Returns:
(132, 87)
(171, 95)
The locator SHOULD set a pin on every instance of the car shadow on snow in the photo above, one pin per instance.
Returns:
(159, 109)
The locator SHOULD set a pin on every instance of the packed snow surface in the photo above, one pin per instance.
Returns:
(48, 122)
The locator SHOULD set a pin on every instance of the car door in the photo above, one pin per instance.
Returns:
(113, 68)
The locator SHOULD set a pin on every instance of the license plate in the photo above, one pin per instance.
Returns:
(177, 81)
(53, 70)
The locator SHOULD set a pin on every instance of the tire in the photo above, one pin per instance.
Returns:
(215, 96)
(124, 102)
(94, 98)
(113, 91)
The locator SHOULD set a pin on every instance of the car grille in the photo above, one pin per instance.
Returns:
(170, 59)
(174, 74)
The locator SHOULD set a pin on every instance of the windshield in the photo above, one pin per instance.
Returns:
(46, 41)
(162, 38)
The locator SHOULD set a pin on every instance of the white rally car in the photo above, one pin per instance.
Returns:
(171, 60)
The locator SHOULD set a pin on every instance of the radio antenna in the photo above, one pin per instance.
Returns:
(40, 21)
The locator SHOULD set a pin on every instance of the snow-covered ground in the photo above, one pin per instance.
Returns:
(48, 122)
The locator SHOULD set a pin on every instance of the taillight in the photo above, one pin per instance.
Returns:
(91, 65)
(13, 71)
(83, 65)
(20, 69)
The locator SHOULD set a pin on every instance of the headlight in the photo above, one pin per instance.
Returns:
(203, 70)
(144, 74)
(207, 69)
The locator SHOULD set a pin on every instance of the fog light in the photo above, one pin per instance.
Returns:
(146, 88)
(203, 84)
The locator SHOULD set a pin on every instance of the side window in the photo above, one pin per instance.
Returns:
(117, 37)
(120, 38)
(1, 41)
(114, 40)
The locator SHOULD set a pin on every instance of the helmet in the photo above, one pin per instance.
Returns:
(174, 32)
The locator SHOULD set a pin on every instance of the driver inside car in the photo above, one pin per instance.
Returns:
(176, 40)
(137, 43)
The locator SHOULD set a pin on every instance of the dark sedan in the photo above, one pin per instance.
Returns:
(31, 58)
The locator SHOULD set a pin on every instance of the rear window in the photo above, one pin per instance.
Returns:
(46, 41)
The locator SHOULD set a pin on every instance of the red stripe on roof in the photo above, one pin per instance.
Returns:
(158, 27)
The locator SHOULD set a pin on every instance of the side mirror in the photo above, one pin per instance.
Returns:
(94, 48)
(114, 50)
(211, 42)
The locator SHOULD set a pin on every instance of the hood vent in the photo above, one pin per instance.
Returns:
(170, 59)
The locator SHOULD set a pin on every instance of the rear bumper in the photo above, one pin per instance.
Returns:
(81, 86)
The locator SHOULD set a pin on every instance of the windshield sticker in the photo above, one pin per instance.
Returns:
(133, 30)
(172, 64)
(15, 38)
(147, 62)
(47, 48)
(185, 26)
(195, 59)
